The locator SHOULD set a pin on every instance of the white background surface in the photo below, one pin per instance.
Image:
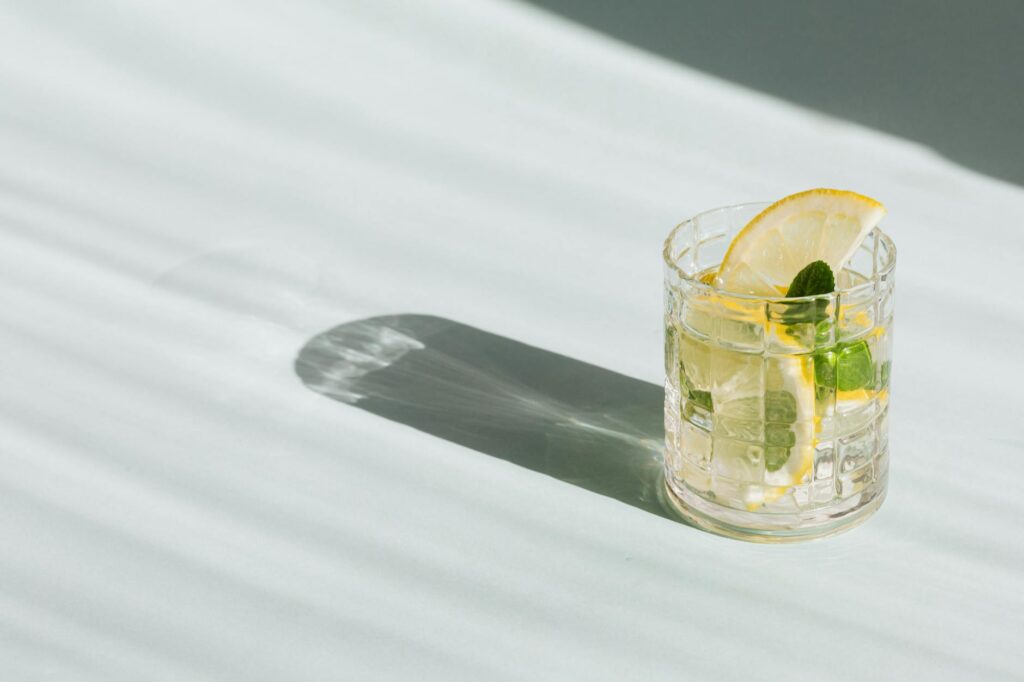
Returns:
(189, 191)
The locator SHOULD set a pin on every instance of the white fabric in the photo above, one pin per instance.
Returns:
(189, 191)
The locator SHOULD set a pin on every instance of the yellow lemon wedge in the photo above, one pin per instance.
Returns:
(819, 224)
(793, 375)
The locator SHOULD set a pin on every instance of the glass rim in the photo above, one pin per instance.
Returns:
(711, 288)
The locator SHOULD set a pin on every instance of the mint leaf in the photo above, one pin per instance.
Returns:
(854, 368)
(846, 366)
(694, 396)
(825, 369)
(779, 417)
(702, 398)
(779, 407)
(775, 457)
(822, 332)
(814, 280)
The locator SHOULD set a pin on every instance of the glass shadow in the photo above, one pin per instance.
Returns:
(576, 422)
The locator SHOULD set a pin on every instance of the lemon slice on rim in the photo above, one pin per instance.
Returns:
(819, 224)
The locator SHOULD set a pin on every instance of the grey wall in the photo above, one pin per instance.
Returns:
(948, 74)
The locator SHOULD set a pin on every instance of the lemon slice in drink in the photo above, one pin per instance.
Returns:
(819, 224)
(764, 426)
(790, 396)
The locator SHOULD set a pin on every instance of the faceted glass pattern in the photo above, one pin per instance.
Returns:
(775, 409)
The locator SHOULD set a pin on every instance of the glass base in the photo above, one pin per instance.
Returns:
(775, 528)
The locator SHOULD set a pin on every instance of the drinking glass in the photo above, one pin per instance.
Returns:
(776, 409)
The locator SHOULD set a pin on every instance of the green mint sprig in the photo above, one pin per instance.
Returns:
(846, 366)
(814, 280)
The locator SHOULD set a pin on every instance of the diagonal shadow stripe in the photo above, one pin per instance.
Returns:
(576, 422)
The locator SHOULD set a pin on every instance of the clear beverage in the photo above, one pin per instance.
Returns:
(775, 409)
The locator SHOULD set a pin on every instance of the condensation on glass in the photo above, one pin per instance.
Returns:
(776, 410)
